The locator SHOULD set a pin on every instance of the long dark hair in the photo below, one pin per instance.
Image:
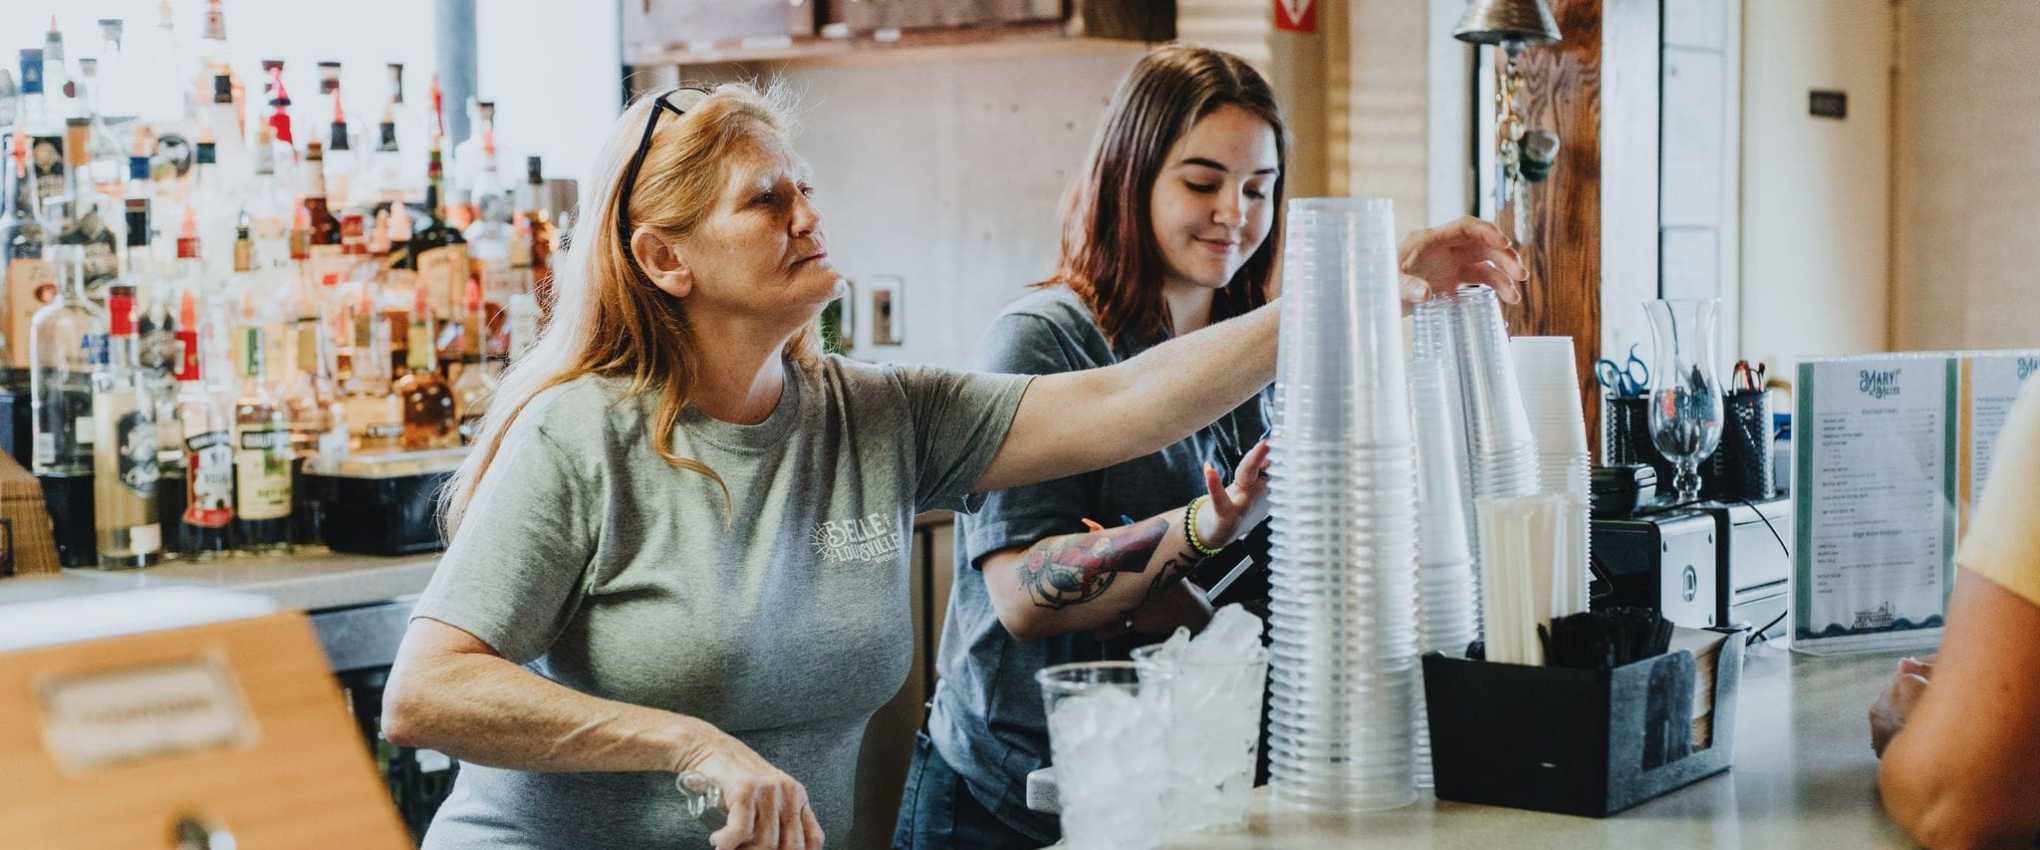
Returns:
(1109, 255)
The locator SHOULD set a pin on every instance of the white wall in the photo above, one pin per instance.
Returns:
(950, 174)
(1967, 178)
(554, 71)
(1816, 191)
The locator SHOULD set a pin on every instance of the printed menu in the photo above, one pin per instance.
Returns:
(1890, 453)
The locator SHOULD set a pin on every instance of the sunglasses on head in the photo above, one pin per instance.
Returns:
(660, 105)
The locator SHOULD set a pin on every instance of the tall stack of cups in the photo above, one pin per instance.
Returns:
(1501, 450)
(1551, 398)
(1433, 339)
(1447, 607)
(1344, 495)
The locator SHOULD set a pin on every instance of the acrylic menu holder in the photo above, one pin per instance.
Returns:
(1889, 453)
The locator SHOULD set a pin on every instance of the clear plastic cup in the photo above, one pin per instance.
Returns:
(1108, 733)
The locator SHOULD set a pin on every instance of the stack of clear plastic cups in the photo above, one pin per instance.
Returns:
(1433, 339)
(1501, 450)
(1446, 605)
(1344, 507)
(1551, 398)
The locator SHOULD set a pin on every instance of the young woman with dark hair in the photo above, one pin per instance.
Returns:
(1168, 230)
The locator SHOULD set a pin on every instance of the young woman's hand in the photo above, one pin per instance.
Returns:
(1465, 250)
(767, 809)
(1235, 509)
(1889, 713)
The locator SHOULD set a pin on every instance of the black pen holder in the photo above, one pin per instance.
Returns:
(1625, 437)
(1583, 742)
(1741, 467)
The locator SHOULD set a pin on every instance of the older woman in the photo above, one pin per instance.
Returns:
(682, 542)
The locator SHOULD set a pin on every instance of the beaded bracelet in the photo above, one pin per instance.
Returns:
(1190, 528)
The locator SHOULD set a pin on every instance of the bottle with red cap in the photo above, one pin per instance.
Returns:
(128, 530)
(208, 449)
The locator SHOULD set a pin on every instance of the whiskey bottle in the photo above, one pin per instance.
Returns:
(262, 455)
(129, 532)
(426, 401)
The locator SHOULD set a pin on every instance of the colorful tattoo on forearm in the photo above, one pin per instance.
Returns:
(1077, 568)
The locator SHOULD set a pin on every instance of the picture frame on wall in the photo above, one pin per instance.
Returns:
(888, 318)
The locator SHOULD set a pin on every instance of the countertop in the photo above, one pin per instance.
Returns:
(1804, 777)
(303, 581)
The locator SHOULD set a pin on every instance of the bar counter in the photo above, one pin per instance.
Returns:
(1804, 776)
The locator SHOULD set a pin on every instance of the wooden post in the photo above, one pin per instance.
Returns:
(1596, 248)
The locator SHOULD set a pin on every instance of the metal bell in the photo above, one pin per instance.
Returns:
(1504, 21)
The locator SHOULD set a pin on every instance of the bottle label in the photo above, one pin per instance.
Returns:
(45, 449)
(209, 480)
(46, 159)
(444, 271)
(129, 443)
(31, 284)
(264, 465)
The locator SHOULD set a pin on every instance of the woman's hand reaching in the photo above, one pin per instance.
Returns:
(1465, 250)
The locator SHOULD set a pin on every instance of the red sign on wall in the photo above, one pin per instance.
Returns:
(1296, 15)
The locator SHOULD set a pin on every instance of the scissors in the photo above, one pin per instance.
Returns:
(1627, 379)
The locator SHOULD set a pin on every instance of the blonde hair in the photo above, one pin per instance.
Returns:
(609, 320)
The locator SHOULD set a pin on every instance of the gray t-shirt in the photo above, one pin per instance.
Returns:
(987, 720)
(588, 559)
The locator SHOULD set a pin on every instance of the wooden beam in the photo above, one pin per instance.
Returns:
(1596, 216)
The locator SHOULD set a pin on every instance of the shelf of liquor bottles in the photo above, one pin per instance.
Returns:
(235, 321)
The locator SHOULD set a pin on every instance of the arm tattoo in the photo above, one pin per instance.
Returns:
(1077, 568)
(1172, 570)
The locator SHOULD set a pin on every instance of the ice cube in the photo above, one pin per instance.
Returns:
(1233, 635)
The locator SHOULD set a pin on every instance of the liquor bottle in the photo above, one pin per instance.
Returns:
(279, 102)
(117, 97)
(386, 165)
(86, 224)
(160, 334)
(30, 281)
(471, 391)
(215, 59)
(427, 402)
(57, 74)
(304, 392)
(209, 451)
(67, 340)
(439, 253)
(262, 454)
(537, 206)
(228, 125)
(328, 251)
(129, 531)
(107, 166)
(44, 130)
(265, 202)
(341, 163)
(374, 421)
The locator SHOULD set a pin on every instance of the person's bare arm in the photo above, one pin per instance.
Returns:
(452, 692)
(1083, 582)
(1964, 771)
(1075, 422)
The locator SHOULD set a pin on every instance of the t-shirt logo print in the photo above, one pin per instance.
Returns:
(867, 538)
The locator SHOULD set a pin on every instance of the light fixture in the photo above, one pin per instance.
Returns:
(1526, 156)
